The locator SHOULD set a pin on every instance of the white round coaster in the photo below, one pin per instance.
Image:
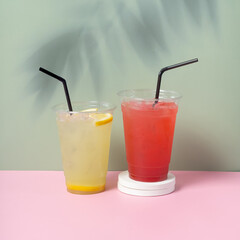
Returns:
(137, 188)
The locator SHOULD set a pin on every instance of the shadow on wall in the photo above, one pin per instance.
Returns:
(103, 26)
(195, 151)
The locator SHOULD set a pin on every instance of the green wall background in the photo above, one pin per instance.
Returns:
(102, 47)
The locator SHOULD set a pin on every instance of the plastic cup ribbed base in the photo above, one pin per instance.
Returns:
(137, 188)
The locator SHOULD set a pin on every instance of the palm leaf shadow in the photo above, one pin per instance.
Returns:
(193, 7)
(138, 34)
(173, 15)
(80, 50)
(113, 43)
(93, 56)
(151, 18)
(212, 11)
(68, 50)
(52, 56)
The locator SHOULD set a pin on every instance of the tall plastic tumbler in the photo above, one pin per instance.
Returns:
(149, 131)
(85, 142)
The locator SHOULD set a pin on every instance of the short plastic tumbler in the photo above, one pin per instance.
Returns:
(149, 130)
(85, 141)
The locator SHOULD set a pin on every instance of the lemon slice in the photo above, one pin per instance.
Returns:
(101, 118)
(90, 110)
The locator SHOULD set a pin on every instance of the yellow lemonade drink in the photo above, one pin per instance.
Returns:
(85, 142)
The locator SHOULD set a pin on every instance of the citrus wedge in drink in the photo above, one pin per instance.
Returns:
(101, 118)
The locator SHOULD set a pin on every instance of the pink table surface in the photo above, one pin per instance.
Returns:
(35, 205)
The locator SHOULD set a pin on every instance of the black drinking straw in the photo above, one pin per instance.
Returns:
(64, 85)
(166, 69)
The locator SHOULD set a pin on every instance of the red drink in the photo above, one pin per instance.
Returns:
(149, 134)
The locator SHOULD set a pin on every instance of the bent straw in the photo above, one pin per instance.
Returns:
(64, 85)
(166, 69)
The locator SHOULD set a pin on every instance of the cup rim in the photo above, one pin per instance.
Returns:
(102, 106)
(165, 95)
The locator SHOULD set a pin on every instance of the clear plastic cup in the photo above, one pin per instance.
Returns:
(149, 131)
(85, 141)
